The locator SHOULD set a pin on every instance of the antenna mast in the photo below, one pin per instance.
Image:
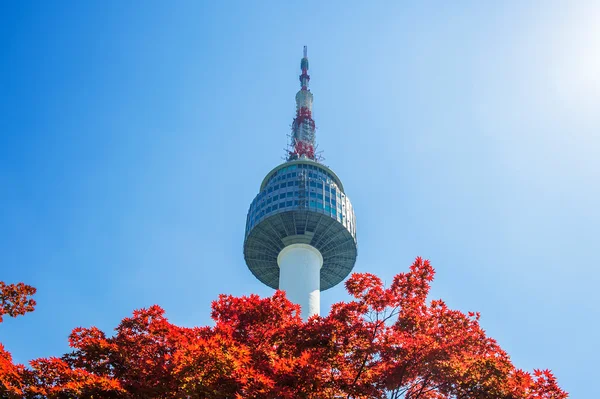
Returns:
(303, 127)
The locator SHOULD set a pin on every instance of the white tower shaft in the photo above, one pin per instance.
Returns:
(300, 276)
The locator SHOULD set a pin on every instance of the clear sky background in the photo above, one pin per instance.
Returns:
(134, 135)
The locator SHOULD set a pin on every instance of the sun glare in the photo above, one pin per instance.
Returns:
(577, 57)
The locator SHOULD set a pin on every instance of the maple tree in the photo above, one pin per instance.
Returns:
(15, 300)
(385, 343)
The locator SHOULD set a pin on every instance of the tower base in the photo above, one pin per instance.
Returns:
(300, 276)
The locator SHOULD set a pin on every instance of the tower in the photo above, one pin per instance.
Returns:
(301, 229)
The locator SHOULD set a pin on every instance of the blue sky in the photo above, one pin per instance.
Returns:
(134, 135)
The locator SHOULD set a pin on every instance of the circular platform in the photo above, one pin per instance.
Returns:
(301, 202)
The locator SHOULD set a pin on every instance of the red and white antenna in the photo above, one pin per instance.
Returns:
(303, 126)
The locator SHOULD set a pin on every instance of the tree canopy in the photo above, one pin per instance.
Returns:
(388, 342)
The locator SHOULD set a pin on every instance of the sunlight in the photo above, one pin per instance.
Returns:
(576, 69)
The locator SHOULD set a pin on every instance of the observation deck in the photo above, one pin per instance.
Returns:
(301, 202)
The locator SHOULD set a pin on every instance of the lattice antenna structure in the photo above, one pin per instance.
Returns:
(302, 144)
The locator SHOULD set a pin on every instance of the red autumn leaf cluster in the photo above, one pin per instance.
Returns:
(385, 343)
(15, 299)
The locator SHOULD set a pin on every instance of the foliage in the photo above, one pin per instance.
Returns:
(385, 343)
(15, 299)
